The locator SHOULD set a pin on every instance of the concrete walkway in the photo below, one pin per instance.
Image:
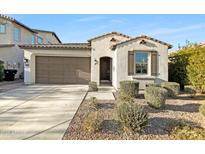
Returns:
(103, 93)
(39, 111)
(9, 85)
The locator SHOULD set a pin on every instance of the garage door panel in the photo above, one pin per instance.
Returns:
(56, 80)
(55, 60)
(70, 74)
(42, 80)
(63, 70)
(70, 80)
(42, 60)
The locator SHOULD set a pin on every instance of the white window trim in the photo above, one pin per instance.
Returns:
(5, 28)
(149, 65)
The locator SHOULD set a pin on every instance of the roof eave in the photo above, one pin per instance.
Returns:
(52, 46)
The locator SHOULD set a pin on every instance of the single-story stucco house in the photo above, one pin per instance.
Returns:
(109, 58)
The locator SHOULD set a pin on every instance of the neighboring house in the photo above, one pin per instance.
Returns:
(109, 58)
(13, 33)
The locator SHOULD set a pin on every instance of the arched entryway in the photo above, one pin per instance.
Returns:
(105, 70)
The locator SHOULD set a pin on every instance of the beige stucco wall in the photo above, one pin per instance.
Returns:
(30, 54)
(13, 59)
(48, 37)
(101, 48)
(14, 55)
(121, 55)
(8, 37)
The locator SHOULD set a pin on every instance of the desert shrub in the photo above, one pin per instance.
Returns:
(93, 105)
(132, 116)
(129, 88)
(180, 124)
(122, 97)
(202, 108)
(172, 88)
(93, 86)
(188, 133)
(1, 71)
(190, 90)
(155, 96)
(92, 122)
(153, 85)
(184, 130)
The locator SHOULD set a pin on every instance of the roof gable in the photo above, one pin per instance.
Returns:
(143, 37)
(107, 34)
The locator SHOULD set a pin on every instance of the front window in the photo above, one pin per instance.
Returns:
(40, 40)
(17, 34)
(33, 39)
(2, 28)
(141, 63)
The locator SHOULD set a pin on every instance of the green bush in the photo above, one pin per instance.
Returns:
(93, 105)
(1, 71)
(196, 67)
(93, 86)
(155, 96)
(124, 98)
(153, 85)
(132, 116)
(190, 90)
(129, 88)
(202, 108)
(92, 122)
(172, 88)
(188, 133)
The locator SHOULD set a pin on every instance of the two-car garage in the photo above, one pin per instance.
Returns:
(57, 63)
(62, 70)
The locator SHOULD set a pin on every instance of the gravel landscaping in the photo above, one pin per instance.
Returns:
(182, 108)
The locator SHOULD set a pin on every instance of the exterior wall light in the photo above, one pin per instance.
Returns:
(26, 62)
(96, 61)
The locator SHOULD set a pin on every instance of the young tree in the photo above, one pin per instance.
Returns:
(177, 68)
(196, 67)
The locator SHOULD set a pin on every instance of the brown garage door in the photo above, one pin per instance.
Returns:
(62, 70)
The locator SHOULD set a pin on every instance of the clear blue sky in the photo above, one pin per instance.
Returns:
(173, 29)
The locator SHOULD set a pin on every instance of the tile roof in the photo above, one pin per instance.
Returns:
(17, 22)
(111, 33)
(56, 46)
(45, 31)
(143, 37)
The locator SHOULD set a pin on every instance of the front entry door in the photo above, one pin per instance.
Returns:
(105, 68)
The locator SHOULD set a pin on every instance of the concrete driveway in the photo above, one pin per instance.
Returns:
(39, 111)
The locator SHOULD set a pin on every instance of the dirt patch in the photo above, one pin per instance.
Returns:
(183, 108)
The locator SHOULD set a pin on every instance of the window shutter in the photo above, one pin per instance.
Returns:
(154, 64)
(130, 62)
